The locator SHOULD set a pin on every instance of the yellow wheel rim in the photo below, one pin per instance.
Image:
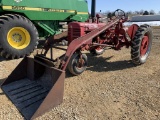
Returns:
(18, 38)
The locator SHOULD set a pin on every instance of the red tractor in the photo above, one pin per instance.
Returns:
(37, 85)
(95, 37)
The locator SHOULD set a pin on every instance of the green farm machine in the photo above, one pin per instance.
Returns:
(24, 22)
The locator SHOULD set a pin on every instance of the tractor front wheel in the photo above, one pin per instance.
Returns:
(77, 64)
(18, 36)
(141, 44)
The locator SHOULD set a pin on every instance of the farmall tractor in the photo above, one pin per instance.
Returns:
(37, 84)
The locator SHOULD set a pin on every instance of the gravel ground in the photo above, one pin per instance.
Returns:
(111, 88)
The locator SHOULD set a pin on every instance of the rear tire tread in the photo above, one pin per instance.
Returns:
(136, 44)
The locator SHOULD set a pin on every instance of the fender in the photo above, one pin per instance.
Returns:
(132, 30)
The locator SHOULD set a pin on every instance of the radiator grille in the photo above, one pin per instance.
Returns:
(74, 33)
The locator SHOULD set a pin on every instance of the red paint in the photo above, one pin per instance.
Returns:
(132, 30)
(84, 40)
(144, 45)
(88, 36)
(77, 29)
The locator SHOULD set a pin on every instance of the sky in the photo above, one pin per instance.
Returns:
(126, 5)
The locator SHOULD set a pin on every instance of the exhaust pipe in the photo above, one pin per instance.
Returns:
(93, 10)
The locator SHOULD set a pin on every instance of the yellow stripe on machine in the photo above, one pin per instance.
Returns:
(41, 9)
(36, 9)
(33, 9)
(71, 11)
(7, 7)
(85, 13)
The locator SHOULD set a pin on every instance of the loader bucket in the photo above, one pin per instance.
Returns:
(34, 87)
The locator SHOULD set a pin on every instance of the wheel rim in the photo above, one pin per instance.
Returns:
(144, 45)
(80, 63)
(18, 38)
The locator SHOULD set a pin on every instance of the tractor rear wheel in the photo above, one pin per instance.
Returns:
(141, 44)
(18, 36)
(77, 64)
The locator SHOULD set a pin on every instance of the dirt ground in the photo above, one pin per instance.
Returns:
(112, 88)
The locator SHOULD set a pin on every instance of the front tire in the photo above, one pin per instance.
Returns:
(18, 36)
(77, 64)
(141, 44)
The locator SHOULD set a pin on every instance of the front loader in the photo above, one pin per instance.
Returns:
(37, 84)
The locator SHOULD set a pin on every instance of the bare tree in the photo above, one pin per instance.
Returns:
(109, 15)
(107, 12)
(151, 12)
(129, 12)
(141, 12)
(137, 12)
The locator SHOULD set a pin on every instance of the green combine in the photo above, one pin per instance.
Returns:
(24, 22)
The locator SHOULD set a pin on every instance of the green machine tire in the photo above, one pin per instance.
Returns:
(19, 37)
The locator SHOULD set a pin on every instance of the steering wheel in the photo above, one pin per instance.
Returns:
(119, 13)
